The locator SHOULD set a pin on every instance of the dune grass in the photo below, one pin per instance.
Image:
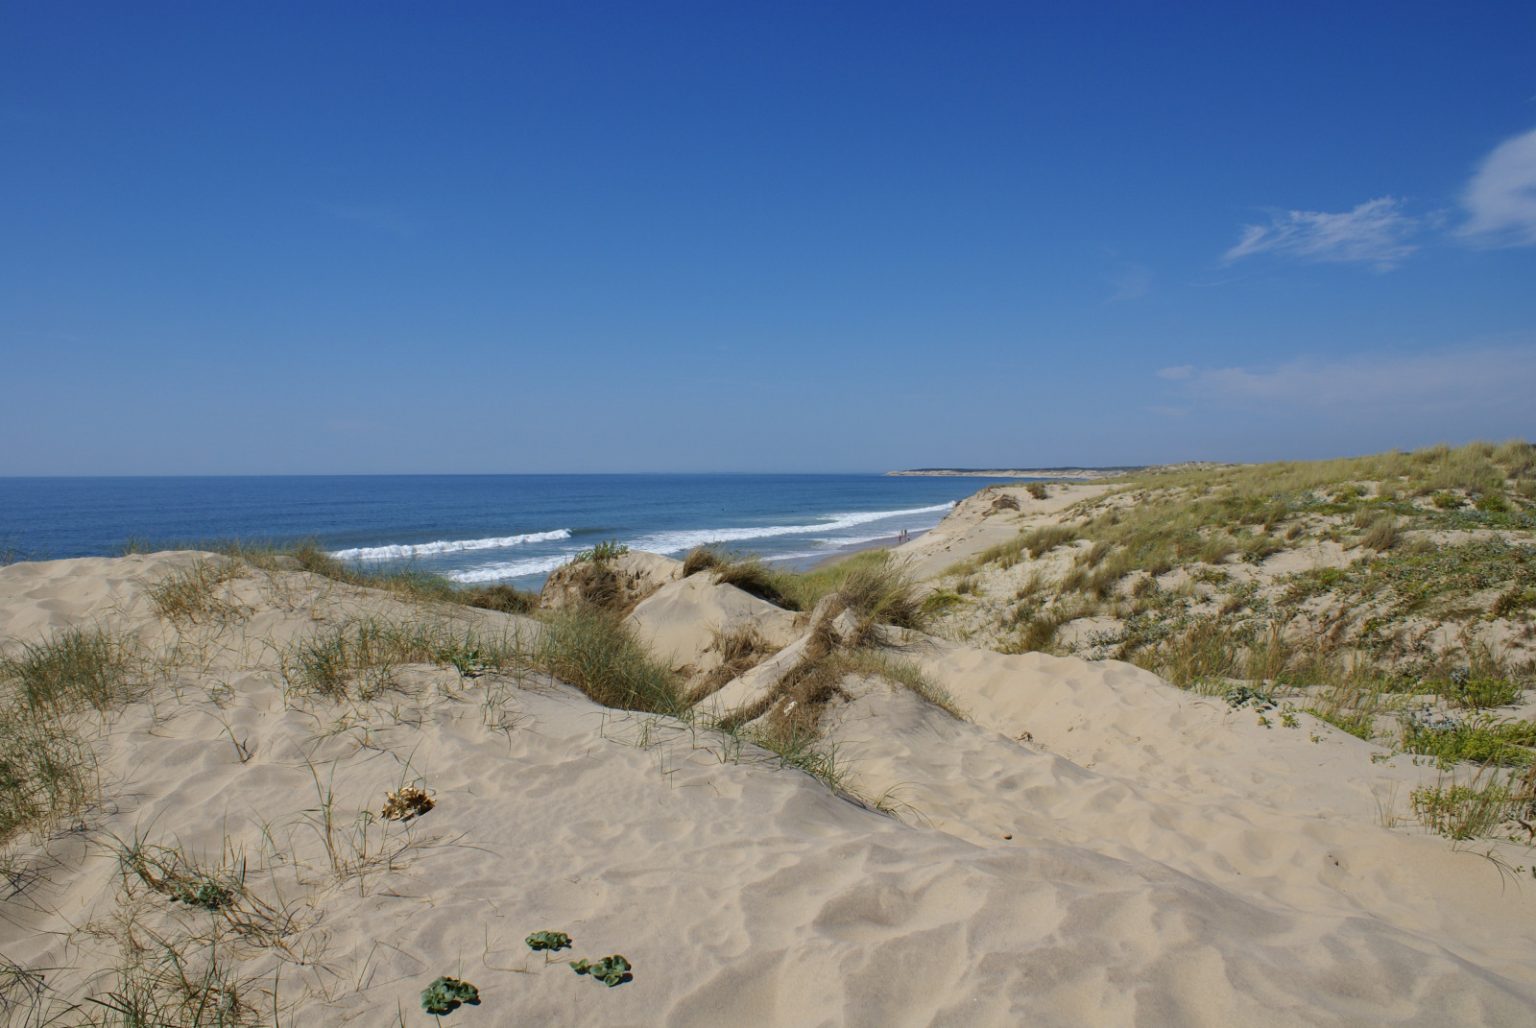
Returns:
(1028, 544)
(503, 598)
(182, 594)
(801, 748)
(881, 664)
(703, 558)
(1476, 740)
(193, 594)
(47, 770)
(747, 573)
(872, 583)
(359, 659)
(71, 670)
(1488, 804)
(1178, 518)
(592, 649)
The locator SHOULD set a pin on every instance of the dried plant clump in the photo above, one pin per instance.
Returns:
(1003, 502)
(741, 649)
(406, 803)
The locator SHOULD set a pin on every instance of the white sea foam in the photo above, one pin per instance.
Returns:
(855, 540)
(504, 570)
(403, 551)
(687, 539)
(683, 540)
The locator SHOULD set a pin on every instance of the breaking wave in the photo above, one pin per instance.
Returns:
(403, 551)
(510, 569)
(687, 539)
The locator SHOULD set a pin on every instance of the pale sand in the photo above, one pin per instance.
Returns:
(1171, 861)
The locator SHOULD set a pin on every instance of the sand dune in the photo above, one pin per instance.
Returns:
(1087, 846)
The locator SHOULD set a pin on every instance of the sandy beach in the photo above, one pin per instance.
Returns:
(1007, 838)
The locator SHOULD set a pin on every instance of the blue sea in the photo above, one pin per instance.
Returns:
(475, 528)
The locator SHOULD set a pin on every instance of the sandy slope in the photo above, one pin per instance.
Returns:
(979, 522)
(1171, 861)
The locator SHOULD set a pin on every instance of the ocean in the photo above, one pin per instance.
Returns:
(474, 528)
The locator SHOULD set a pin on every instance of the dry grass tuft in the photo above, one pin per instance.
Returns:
(741, 650)
(1381, 533)
(193, 594)
(702, 558)
(503, 598)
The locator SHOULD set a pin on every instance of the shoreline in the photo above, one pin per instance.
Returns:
(843, 553)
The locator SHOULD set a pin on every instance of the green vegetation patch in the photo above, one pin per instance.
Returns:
(359, 659)
(445, 995)
(1475, 740)
(602, 553)
(1473, 810)
(1422, 580)
(611, 971)
(593, 650)
(551, 941)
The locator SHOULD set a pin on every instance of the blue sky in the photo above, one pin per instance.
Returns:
(407, 237)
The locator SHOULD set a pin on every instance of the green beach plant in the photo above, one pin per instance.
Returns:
(554, 942)
(445, 995)
(611, 971)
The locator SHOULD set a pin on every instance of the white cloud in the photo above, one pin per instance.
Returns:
(1375, 232)
(1177, 372)
(1501, 197)
(1501, 378)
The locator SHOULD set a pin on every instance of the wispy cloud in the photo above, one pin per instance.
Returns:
(1131, 282)
(1462, 380)
(1375, 232)
(1501, 197)
(1499, 200)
